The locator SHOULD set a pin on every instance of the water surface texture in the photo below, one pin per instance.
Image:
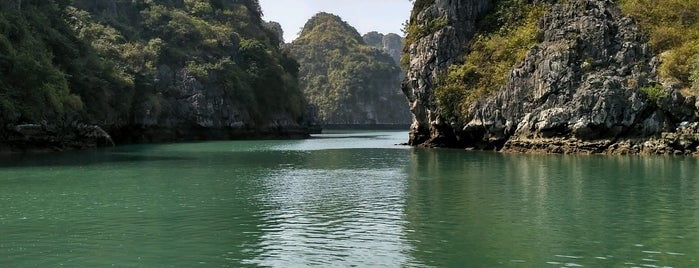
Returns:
(344, 199)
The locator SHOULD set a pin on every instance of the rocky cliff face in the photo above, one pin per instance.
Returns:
(390, 43)
(429, 57)
(80, 74)
(194, 108)
(578, 91)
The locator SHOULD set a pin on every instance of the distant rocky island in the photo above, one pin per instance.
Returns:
(351, 81)
(578, 76)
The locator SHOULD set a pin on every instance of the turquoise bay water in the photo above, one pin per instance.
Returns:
(344, 199)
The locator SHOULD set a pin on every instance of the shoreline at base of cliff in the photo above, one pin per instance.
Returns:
(590, 84)
(36, 138)
(405, 127)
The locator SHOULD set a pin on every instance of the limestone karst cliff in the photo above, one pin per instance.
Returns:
(81, 73)
(588, 84)
(390, 43)
(349, 81)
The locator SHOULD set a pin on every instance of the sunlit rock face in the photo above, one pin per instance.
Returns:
(430, 56)
(577, 91)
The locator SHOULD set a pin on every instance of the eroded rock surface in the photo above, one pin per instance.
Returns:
(578, 91)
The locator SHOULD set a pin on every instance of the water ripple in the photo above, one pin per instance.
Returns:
(333, 218)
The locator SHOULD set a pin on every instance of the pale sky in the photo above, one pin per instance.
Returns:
(384, 16)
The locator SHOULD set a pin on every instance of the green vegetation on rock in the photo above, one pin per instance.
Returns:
(414, 31)
(656, 93)
(573, 76)
(673, 29)
(347, 80)
(505, 37)
(111, 62)
(33, 83)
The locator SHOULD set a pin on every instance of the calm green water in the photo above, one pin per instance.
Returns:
(344, 199)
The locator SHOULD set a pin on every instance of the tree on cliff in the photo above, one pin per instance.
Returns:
(349, 81)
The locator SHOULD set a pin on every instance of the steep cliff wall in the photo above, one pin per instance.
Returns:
(441, 31)
(589, 86)
(390, 43)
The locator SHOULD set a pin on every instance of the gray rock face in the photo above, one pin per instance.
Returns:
(390, 43)
(393, 45)
(198, 109)
(373, 38)
(45, 136)
(578, 91)
(431, 55)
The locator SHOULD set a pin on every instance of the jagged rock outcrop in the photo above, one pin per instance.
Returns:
(55, 138)
(374, 39)
(431, 55)
(390, 43)
(578, 91)
(191, 108)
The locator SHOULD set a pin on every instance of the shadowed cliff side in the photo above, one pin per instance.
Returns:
(136, 71)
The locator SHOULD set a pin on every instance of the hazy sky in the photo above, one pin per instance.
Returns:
(384, 16)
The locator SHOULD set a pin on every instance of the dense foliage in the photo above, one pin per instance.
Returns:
(99, 60)
(673, 28)
(347, 80)
(504, 38)
(37, 63)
